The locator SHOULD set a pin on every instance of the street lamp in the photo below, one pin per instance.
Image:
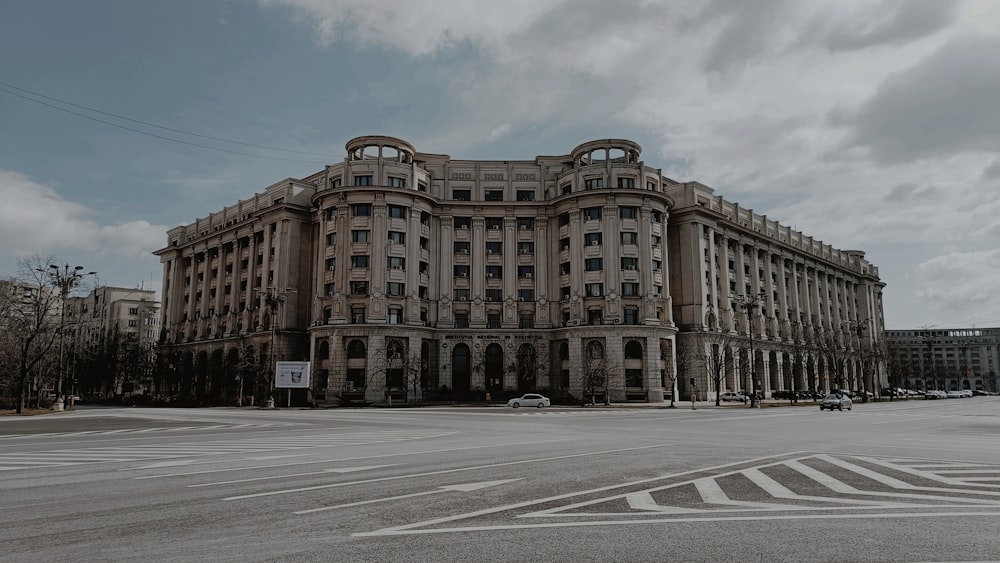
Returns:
(65, 279)
(858, 327)
(273, 299)
(749, 304)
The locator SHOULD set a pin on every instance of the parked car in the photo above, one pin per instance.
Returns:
(838, 401)
(529, 400)
(732, 396)
(933, 394)
(954, 394)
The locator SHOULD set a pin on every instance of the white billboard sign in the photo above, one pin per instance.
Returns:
(292, 375)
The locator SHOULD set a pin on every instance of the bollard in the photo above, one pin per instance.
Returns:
(270, 402)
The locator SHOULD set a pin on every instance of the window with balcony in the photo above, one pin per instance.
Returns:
(525, 248)
(397, 237)
(493, 320)
(361, 236)
(462, 247)
(631, 316)
(359, 288)
(363, 180)
(395, 315)
(628, 213)
(360, 261)
(525, 195)
(358, 315)
(494, 223)
(396, 182)
(461, 271)
(461, 320)
(461, 295)
(494, 248)
(395, 289)
(525, 224)
(629, 238)
(331, 240)
(397, 211)
(630, 263)
(526, 295)
(593, 239)
(494, 295)
(526, 272)
(397, 263)
(462, 223)
(630, 289)
(595, 289)
(526, 320)
(361, 210)
(593, 264)
(494, 271)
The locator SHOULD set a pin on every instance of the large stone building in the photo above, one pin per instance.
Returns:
(946, 359)
(404, 273)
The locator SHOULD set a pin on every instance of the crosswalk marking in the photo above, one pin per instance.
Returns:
(140, 452)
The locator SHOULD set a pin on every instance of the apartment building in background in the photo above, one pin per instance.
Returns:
(946, 359)
(417, 276)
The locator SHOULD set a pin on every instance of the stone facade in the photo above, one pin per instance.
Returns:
(944, 359)
(406, 274)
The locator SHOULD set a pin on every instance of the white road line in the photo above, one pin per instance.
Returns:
(292, 475)
(463, 488)
(442, 472)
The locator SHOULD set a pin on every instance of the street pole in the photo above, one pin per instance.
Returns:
(65, 280)
(749, 304)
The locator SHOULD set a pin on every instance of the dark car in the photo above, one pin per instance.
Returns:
(838, 401)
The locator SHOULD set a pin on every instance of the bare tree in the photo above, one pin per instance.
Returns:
(716, 356)
(832, 348)
(685, 365)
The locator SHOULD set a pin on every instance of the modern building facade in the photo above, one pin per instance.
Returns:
(413, 275)
(944, 359)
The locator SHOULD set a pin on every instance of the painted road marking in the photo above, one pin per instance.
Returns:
(467, 487)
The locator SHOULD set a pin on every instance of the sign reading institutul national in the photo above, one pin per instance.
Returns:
(292, 375)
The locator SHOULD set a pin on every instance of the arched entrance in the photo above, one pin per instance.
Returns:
(460, 368)
(493, 368)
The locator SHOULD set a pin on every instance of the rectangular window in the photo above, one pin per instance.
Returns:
(336, 182)
(461, 320)
(461, 271)
(395, 182)
(629, 238)
(525, 224)
(595, 289)
(564, 269)
(462, 223)
(525, 248)
(592, 214)
(626, 182)
(593, 183)
(461, 295)
(397, 212)
(493, 295)
(331, 214)
(629, 213)
(525, 195)
(593, 264)
(526, 320)
(461, 195)
(361, 236)
(133, 322)
(633, 378)
(361, 210)
(395, 316)
(494, 271)
(397, 237)
(566, 189)
(494, 195)
(330, 289)
(631, 316)
(395, 289)
(630, 289)
(359, 261)
(593, 239)
(494, 223)
(133, 311)
(595, 316)
(397, 263)
(564, 293)
(493, 320)
(526, 295)
(358, 315)
(365, 180)
(359, 288)
(630, 263)
(331, 264)
(331, 240)
(462, 248)
(526, 272)
(494, 248)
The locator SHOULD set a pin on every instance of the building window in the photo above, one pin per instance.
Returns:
(631, 316)
(462, 248)
(331, 240)
(461, 320)
(461, 271)
(421, 187)
(525, 224)
(494, 248)
(462, 222)
(395, 315)
(397, 263)
(494, 271)
(566, 189)
(656, 241)
(397, 237)
(494, 223)
(626, 182)
(494, 195)
(526, 320)
(628, 213)
(397, 212)
(633, 378)
(592, 214)
(133, 322)
(361, 210)
(564, 269)
(595, 316)
(650, 185)
(359, 262)
(461, 195)
(629, 238)
(395, 182)
(593, 264)
(331, 214)
(630, 263)
(657, 217)
(461, 295)
(526, 295)
(336, 182)
(593, 183)
(493, 320)
(564, 220)
(526, 271)
(358, 315)
(525, 195)
(395, 289)
(331, 264)
(525, 248)
(630, 289)
(361, 236)
(493, 295)
(359, 288)
(595, 289)
(593, 239)
(564, 293)
(365, 180)
(330, 289)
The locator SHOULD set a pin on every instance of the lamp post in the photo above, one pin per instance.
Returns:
(273, 299)
(858, 327)
(929, 339)
(65, 279)
(749, 303)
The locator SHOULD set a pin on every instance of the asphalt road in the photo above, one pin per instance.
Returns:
(901, 481)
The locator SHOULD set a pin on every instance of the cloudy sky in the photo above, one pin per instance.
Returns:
(871, 125)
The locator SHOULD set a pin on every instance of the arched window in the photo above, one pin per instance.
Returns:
(563, 352)
(460, 368)
(324, 350)
(633, 350)
(356, 349)
(595, 351)
(494, 367)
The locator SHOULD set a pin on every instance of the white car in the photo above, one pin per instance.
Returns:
(529, 400)
(732, 396)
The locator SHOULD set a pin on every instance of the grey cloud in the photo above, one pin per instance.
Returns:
(992, 172)
(945, 105)
(907, 192)
(748, 33)
(909, 20)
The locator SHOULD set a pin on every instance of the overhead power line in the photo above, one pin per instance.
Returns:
(7, 88)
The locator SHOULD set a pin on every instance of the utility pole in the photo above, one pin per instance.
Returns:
(859, 327)
(749, 304)
(65, 279)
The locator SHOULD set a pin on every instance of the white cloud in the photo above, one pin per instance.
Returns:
(498, 132)
(962, 286)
